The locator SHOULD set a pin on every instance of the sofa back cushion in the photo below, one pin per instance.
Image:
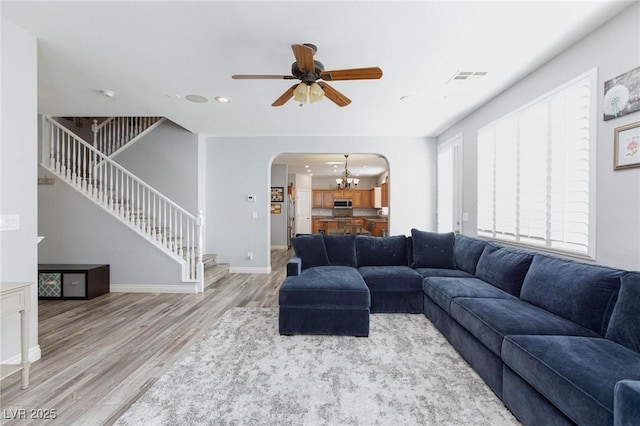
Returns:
(311, 249)
(624, 326)
(432, 250)
(579, 292)
(503, 267)
(341, 249)
(381, 251)
(467, 252)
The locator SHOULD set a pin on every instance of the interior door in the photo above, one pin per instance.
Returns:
(450, 185)
(303, 211)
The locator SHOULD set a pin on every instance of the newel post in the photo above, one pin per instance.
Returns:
(94, 129)
(200, 265)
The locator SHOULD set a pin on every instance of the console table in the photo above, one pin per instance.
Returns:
(71, 281)
(15, 298)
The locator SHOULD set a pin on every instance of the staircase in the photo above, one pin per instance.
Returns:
(136, 204)
(115, 134)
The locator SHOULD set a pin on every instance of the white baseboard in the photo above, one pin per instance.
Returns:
(34, 355)
(279, 248)
(249, 270)
(154, 288)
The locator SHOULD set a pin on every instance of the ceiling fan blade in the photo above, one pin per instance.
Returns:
(371, 73)
(335, 96)
(262, 77)
(304, 58)
(285, 96)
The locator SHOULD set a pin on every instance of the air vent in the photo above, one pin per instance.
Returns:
(467, 75)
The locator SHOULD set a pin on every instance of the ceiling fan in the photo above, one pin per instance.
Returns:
(309, 71)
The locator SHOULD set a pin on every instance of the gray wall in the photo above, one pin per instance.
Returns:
(237, 167)
(279, 221)
(167, 159)
(78, 231)
(18, 174)
(614, 49)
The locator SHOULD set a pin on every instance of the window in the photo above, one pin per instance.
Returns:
(535, 171)
(449, 185)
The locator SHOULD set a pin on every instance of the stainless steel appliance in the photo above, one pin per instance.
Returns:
(342, 204)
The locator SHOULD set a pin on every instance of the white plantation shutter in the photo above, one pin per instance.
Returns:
(534, 171)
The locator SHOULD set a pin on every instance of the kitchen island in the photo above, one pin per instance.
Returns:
(375, 226)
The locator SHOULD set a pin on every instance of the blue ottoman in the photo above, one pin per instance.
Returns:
(330, 300)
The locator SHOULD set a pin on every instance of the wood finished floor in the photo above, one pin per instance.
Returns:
(100, 355)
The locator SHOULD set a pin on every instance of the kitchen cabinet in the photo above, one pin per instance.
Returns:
(364, 199)
(385, 194)
(323, 198)
(318, 196)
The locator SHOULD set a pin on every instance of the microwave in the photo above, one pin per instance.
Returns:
(342, 204)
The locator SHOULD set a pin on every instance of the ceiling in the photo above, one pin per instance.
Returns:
(360, 165)
(153, 54)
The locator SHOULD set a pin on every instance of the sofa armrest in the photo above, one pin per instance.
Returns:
(294, 266)
(626, 403)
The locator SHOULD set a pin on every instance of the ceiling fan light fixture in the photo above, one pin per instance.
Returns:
(301, 92)
(315, 93)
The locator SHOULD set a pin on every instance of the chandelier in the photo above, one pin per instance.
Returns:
(347, 179)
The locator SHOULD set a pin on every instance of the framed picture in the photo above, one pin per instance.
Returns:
(276, 208)
(622, 94)
(626, 148)
(277, 194)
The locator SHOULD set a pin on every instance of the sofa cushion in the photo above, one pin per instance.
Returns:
(580, 292)
(577, 374)
(327, 286)
(432, 250)
(467, 252)
(489, 320)
(381, 251)
(311, 249)
(504, 268)
(391, 278)
(438, 272)
(624, 327)
(341, 249)
(443, 290)
(626, 403)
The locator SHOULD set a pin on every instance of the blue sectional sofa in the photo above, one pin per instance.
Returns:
(557, 340)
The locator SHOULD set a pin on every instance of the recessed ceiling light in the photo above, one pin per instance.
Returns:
(197, 99)
(108, 93)
(223, 99)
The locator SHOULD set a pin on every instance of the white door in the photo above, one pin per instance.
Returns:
(303, 211)
(450, 185)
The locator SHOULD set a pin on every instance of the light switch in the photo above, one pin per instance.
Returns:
(254, 215)
(465, 217)
(9, 222)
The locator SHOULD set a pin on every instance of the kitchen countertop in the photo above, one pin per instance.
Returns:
(334, 219)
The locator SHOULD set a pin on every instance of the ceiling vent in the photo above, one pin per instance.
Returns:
(467, 75)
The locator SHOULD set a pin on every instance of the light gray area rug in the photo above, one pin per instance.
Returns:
(242, 372)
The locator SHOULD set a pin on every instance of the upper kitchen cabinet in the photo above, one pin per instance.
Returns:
(385, 194)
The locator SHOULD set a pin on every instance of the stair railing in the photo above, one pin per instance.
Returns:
(144, 209)
(114, 133)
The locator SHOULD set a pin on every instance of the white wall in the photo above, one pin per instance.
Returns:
(614, 49)
(237, 167)
(18, 174)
